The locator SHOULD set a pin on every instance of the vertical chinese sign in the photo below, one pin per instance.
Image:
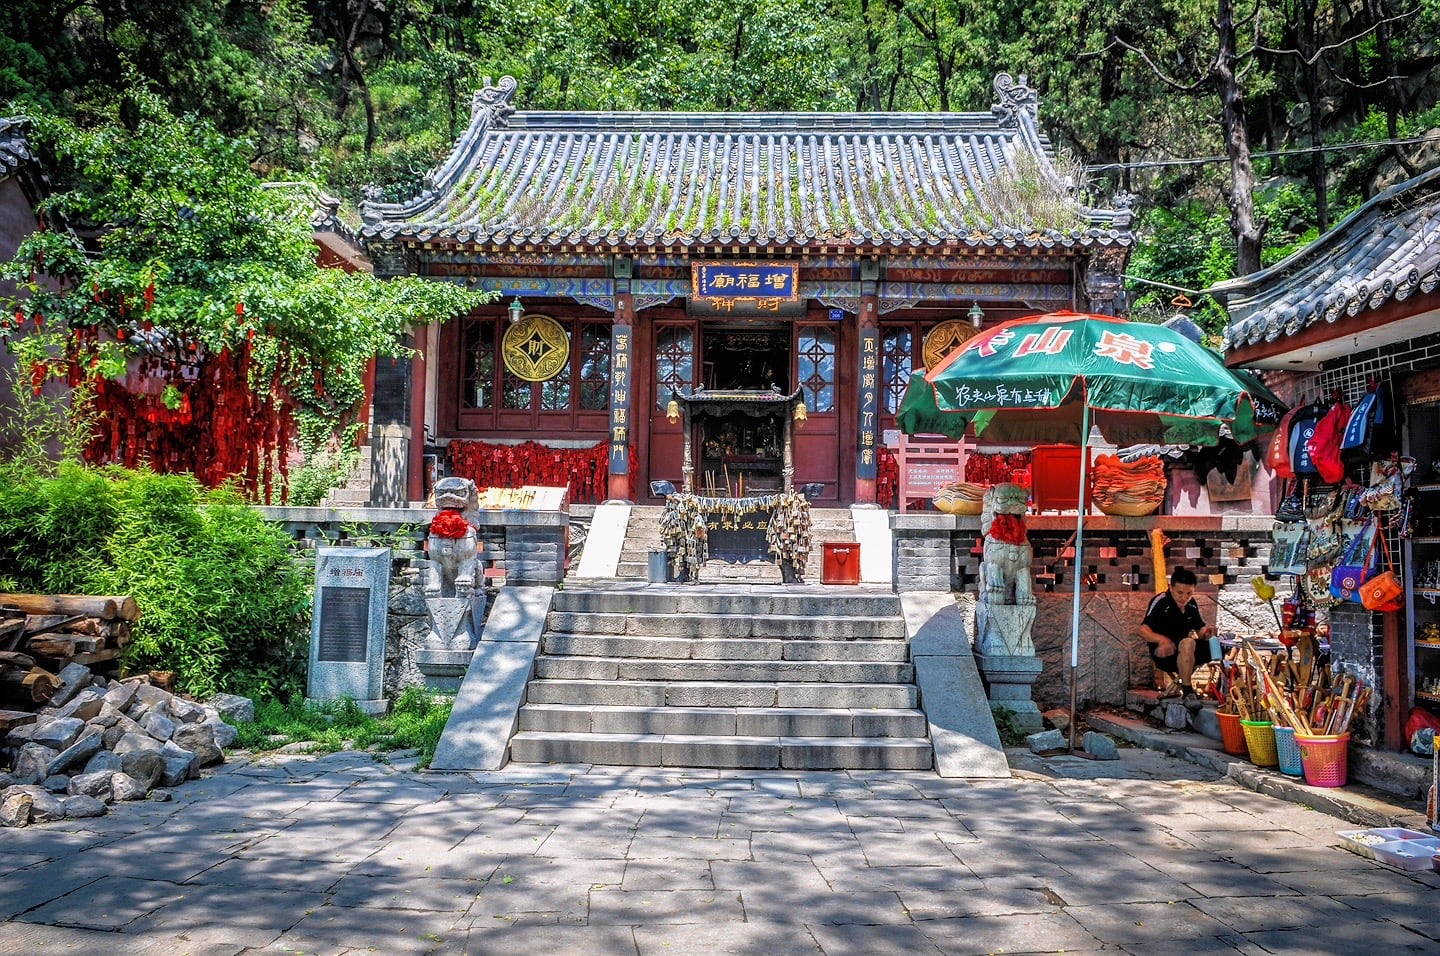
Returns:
(869, 411)
(620, 400)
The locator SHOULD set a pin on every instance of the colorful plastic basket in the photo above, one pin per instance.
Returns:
(1232, 735)
(1325, 759)
(1260, 741)
(1288, 752)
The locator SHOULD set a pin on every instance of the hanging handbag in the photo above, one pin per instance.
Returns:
(1292, 505)
(1324, 542)
(1315, 586)
(1347, 577)
(1384, 495)
(1382, 593)
(1287, 547)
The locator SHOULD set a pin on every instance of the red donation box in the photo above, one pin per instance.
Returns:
(841, 562)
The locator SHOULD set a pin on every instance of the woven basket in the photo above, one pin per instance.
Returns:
(1260, 741)
(958, 506)
(1128, 509)
(1288, 752)
(1325, 759)
(1232, 735)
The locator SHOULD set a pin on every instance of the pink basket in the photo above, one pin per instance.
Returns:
(1325, 759)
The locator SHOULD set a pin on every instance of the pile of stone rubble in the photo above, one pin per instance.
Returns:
(98, 741)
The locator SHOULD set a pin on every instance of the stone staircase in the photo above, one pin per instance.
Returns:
(744, 677)
(354, 492)
(642, 535)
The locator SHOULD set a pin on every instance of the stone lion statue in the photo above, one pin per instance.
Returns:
(1005, 564)
(453, 547)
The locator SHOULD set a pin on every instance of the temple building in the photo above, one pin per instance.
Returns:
(783, 271)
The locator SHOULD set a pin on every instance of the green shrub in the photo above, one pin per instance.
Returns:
(223, 603)
(415, 721)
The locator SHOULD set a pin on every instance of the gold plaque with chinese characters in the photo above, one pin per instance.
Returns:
(535, 349)
(944, 339)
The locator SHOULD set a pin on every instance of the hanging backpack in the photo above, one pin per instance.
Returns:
(1277, 456)
(1324, 444)
(1302, 429)
(1370, 432)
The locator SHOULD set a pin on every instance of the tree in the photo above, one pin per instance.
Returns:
(168, 270)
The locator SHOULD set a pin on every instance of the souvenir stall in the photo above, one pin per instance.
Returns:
(1348, 324)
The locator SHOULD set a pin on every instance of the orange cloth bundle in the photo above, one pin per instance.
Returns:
(1128, 488)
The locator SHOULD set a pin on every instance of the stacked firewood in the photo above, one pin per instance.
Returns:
(41, 633)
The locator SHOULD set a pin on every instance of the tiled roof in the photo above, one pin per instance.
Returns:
(654, 180)
(1386, 250)
(14, 148)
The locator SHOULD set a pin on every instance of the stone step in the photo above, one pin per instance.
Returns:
(682, 599)
(644, 669)
(713, 721)
(825, 626)
(745, 752)
(698, 693)
(727, 649)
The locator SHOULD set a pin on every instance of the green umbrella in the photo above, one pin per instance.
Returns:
(1048, 378)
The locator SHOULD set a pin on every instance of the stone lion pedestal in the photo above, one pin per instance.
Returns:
(1005, 654)
(1005, 611)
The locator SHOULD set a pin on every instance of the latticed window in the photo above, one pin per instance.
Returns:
(477, 387)
(674, 362)
(595, 367)
(896, 361)
(816, 368)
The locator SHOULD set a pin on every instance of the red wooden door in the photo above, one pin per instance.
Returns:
(817, 440)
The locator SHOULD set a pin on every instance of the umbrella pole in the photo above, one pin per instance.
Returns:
(1079, 556)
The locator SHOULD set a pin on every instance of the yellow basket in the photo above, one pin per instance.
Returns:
(1260, 740)
(1129, 509)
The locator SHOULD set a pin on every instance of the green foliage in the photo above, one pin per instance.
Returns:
(415, 721)
(223, 603)
(1006, 724)
(197, 248)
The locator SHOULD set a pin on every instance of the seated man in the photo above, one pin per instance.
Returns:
(1176, 633)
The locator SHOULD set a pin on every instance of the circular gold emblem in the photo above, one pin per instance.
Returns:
(944, 339)
(535, 349)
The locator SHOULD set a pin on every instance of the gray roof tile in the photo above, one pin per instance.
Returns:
(628, 180)
(1386, 250)
(14, 147)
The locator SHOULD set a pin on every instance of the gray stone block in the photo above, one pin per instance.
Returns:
(57, 733)
(105, 761)
(76, 754)
(750, 649)
(126, 788)
(1099, 745)
(720, 694)
(695, 751)
(1046, 740)
(32, 761)
(58, 783)
(855, 754)
(596, 692)
(198, 739)
(872, 650)
(81, 806)
(92, 785)
(846, 695)
(554, 718)
(581, 668)
(796, 722)
(664, 720)
(1177, 715)
(73, 679)
(888, 723)
(621, 750)
(143, 766)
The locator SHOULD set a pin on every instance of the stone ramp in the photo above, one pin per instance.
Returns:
(724, 676)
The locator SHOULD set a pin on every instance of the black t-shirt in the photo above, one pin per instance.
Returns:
(1164, 616)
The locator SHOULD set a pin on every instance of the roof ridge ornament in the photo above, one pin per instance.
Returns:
(1015, 99)
(495, 99)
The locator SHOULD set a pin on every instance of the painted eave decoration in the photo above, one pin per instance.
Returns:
(620, 182)
(1387, 250)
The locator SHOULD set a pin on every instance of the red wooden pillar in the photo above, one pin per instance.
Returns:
(415, 485)
(624, 399)
(869, 319)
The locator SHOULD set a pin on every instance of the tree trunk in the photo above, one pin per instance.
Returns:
(105, 608)
(1249, 233)
(1379, 11)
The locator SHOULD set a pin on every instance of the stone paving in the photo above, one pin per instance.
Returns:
(340, 854)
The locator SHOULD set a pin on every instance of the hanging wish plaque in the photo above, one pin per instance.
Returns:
(535, 349)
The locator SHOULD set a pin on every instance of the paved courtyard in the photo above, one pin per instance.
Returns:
(340, 854)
